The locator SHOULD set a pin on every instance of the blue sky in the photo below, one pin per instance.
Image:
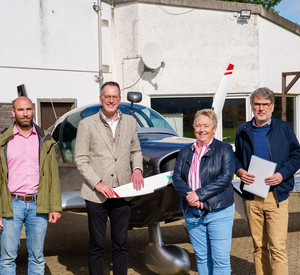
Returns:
(290, 9)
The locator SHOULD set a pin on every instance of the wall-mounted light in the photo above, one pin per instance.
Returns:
(245, 14)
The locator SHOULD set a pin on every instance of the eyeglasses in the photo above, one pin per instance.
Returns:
(107, 97)
(264, 105)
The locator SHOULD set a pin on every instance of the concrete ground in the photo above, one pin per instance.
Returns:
(66, 245)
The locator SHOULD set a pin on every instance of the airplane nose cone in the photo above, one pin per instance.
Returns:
(167, 260)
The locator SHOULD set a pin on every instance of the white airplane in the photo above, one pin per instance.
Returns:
(156, 182)
(158, 201)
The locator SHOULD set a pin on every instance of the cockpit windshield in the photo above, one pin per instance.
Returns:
(66, 132)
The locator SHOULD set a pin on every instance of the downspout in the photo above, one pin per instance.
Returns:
(98, 9)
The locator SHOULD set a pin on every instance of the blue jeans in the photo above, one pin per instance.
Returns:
(35, 228)
(210, 234)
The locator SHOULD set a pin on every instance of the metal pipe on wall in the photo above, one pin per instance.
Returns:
(99, 10)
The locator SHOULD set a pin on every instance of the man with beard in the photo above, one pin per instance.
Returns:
(273, 140)
(29, 188)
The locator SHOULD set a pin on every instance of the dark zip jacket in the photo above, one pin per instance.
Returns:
(284, 150)
(216, 172)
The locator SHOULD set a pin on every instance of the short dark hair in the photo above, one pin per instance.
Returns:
(110, 83)
(263, 92)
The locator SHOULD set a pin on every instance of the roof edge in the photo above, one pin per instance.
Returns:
(221, 6)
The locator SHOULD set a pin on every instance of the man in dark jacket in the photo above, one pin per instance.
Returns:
(273, 140)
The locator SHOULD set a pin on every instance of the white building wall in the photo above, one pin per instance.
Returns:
(124, 41)
(49, 84)
(278, 53)
(197, 46)
(51, 46)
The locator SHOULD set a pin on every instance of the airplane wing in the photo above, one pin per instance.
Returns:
(239, 205)
(72, 200)
(220, 95)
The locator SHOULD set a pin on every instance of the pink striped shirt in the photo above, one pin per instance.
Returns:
(23, 163)
(194, 180)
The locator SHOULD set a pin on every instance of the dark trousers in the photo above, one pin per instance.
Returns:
(118, 211)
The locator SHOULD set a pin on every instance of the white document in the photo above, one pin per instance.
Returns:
(151, 184)
(262, 169)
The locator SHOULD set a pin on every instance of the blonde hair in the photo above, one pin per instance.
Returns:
(206, 112)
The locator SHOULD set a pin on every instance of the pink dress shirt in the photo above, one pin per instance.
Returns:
(23, 163)
(194, 180)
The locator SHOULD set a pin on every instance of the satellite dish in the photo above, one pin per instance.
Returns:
(152, 56)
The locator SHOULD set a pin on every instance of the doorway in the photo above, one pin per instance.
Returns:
(49, 110)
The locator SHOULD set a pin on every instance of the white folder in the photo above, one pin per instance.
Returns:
(262, 169)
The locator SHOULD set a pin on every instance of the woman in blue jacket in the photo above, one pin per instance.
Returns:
(202, 177)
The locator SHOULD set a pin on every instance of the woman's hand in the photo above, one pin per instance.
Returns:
(198, 204)
(193, 200)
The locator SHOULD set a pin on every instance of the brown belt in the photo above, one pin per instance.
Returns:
(27, 198)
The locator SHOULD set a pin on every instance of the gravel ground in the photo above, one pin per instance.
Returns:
(66, 245)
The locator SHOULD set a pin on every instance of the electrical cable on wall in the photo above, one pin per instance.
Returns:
(53, 109)
(170, 13)
(134, 82)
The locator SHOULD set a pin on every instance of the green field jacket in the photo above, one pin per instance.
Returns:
(48, 195)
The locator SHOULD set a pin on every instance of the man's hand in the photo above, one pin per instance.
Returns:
(137, 179)
(245, 176)
(54, 217)
(274, 180)
(105, 189)
(1, 223)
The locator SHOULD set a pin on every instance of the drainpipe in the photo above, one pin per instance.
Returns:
(98, 9)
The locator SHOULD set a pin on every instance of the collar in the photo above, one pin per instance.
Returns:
(16, 131)
(254, 123)
(195, 144)
(107, 119)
